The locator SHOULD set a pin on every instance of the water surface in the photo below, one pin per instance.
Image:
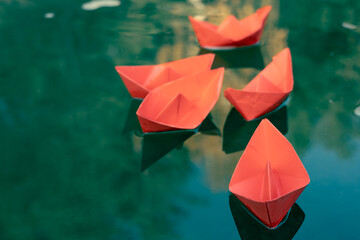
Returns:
(68, 171)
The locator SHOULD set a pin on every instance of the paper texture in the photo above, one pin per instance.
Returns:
(269, 176)
(267, 90)
(231, 32)
(181, 104)
(139, 80)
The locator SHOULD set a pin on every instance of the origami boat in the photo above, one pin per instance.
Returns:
(267, 90)
(139, 80)
(231, 33)
(269, 176)
(181, 104)
(250, 228)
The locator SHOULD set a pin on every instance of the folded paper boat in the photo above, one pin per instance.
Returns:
(231, 33)
(181, 104)
(139, 80)
(269, 176)
(249, 227)
(267, 90)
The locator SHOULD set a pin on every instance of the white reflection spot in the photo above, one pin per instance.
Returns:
(357, 111)
(348, 26)
(96, 4)
(49, 15)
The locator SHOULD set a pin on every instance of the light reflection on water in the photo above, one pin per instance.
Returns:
(96, 4)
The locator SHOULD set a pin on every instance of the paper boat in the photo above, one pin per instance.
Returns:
(181, 104)
(139, 80)
(267, 90)
(269, 176)
(231, 33)
(250, 228)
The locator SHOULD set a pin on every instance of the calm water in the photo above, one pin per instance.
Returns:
(67, 170)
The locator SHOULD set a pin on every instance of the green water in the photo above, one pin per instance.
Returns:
(67, 171)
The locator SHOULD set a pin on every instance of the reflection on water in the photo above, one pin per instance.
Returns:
(357, 111)
(250, 228)
(132, 123)
(329, 54)
(96, 4)
(157, 144)
(68, 172)
(238, 58)
(237, 131)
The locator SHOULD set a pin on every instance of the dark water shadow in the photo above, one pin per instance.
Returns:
(156, 145)
(237, 131)
(132, 123)
(208, 127)
(237, 58)
(250, 228)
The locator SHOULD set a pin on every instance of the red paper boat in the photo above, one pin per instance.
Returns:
(231, 33)
(139, 80)
(267, 90)
(269, 176)
(181, 104)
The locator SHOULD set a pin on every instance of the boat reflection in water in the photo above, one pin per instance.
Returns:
(156, 145)
(250, 228)
(132, 123)
(237, 131)
(246, 57)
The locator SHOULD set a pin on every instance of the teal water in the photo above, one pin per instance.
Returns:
(67, 171)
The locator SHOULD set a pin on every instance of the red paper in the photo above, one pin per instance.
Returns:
(269, 176)
(139, 80)
(181, 104)
(231, 33)
(267, 90)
